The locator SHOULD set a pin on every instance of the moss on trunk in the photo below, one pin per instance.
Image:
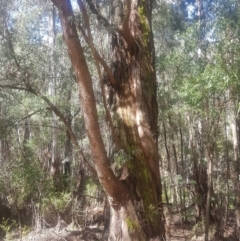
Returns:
(134, 113)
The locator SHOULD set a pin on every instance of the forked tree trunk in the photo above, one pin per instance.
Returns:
(135, 196)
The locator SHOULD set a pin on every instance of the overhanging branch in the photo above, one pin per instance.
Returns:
(99, 58)
(102, 20)
(29, 115)
(13, 87)
(61, 117)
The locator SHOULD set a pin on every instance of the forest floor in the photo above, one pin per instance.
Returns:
(180, 231)
(177, 230)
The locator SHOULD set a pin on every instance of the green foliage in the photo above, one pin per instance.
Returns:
(90, 187)
(132, 225)
(152, 212)
(57, 202)
(144, 24)
(21, 181)
(6, 225)
(199, 229)
(121, 158)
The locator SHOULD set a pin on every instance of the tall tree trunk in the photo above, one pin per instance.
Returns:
(183, 172)
(68, 143)
(55, 162)
(235, 129)
(169, 165)
(199, 171)
(209, 192)
(134, 108)
(227, 170)
(135, 200)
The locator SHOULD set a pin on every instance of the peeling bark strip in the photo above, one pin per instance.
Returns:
(136, 205)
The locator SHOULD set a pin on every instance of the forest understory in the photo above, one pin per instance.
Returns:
(93, 221)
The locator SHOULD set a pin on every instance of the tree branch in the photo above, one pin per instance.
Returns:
(98, 58)
(29, 115)
(61, 117)
(10, 45)
(38, 125)
(100, 18)
(13, 87)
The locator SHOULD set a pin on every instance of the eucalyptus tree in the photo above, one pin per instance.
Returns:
(134, 196)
